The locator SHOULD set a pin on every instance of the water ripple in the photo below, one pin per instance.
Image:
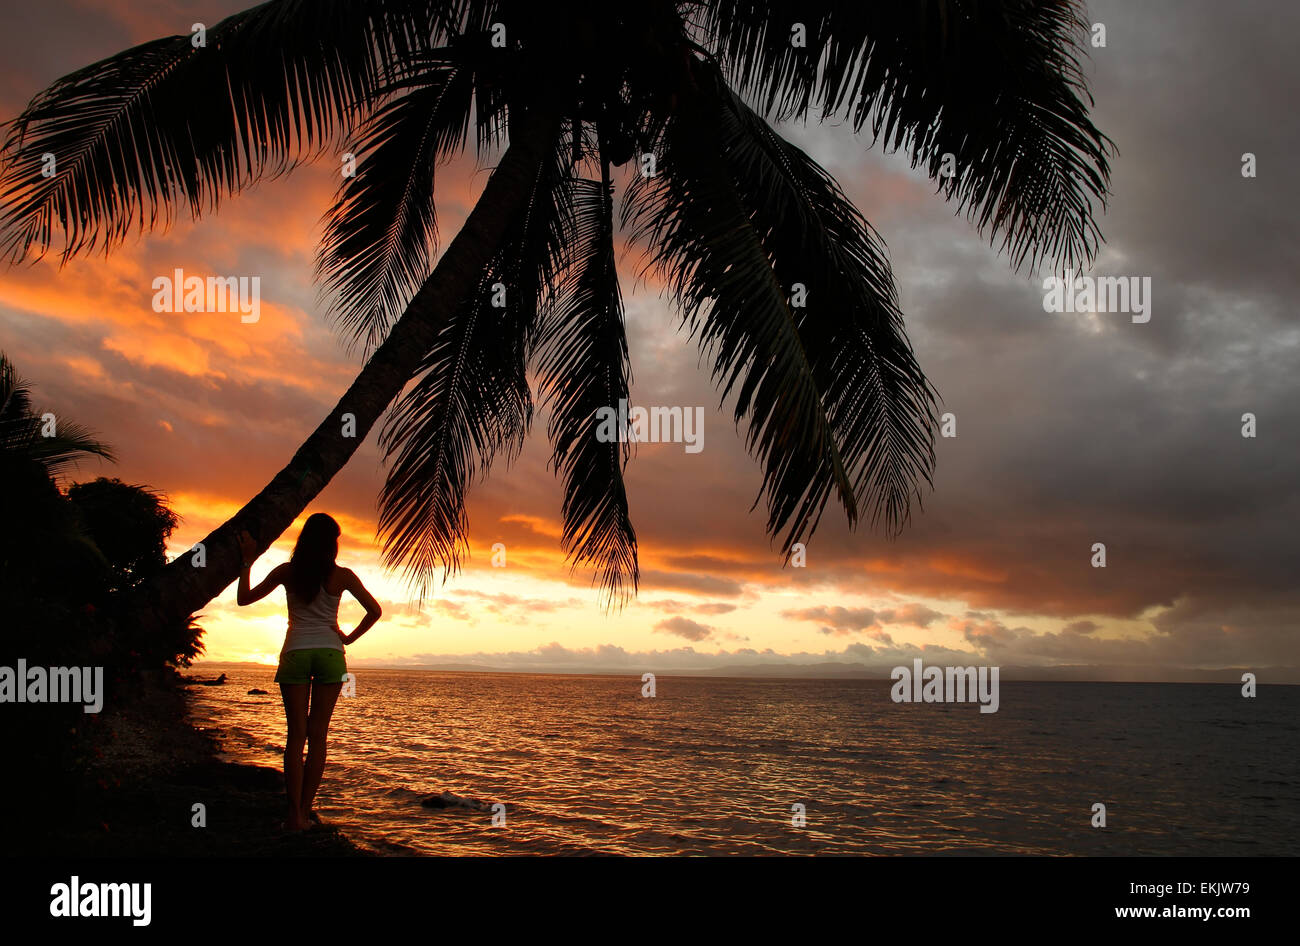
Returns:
(584, 766)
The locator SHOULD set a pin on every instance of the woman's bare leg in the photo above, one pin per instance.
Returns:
(295, 714)
(323, 698)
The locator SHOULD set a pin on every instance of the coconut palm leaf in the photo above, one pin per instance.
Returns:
(583, 367)
(23, 438)
(167, 123)
(465, 408)
(472, 401)
(997, 84)
(703, 243)
(382, 230)
(880, 405)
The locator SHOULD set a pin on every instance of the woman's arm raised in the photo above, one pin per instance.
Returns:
(244, 594)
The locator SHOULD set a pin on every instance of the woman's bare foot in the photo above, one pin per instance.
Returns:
(314, 818)
(295, 822)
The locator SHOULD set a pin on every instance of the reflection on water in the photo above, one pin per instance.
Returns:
(584, 765)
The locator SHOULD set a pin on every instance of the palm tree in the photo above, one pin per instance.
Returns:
(35, 441)
(832, 398)
(42, 542)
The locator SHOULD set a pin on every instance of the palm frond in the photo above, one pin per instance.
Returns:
(881, 406)
(712, 256)
(471, 401)
(22, 430)
(382, 230)
(584, 367)
(165, 123)
(997, 84)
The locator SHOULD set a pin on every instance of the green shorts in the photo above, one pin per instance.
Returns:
(315, 664)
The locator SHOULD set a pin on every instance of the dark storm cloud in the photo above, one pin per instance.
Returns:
(1074, 430)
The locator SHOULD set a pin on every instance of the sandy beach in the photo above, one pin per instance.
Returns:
(152, 768)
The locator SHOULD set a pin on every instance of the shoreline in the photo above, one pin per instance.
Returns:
(151, 771)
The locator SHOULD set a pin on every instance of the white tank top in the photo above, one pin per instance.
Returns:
(312, 625)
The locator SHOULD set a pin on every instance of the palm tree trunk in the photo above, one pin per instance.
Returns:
(181, 588)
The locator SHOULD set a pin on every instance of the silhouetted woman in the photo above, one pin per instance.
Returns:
(312, 667)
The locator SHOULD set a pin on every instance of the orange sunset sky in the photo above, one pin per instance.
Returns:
(1071, 429)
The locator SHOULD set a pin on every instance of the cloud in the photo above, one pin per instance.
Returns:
(683, 581)
(917, 615)
(838, 620)
(452, 609)
(684, 627)
(841, 620)
(672, 606)
(502, 602)
(1080, 627)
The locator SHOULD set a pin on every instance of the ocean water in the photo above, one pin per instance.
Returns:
(585, 765)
